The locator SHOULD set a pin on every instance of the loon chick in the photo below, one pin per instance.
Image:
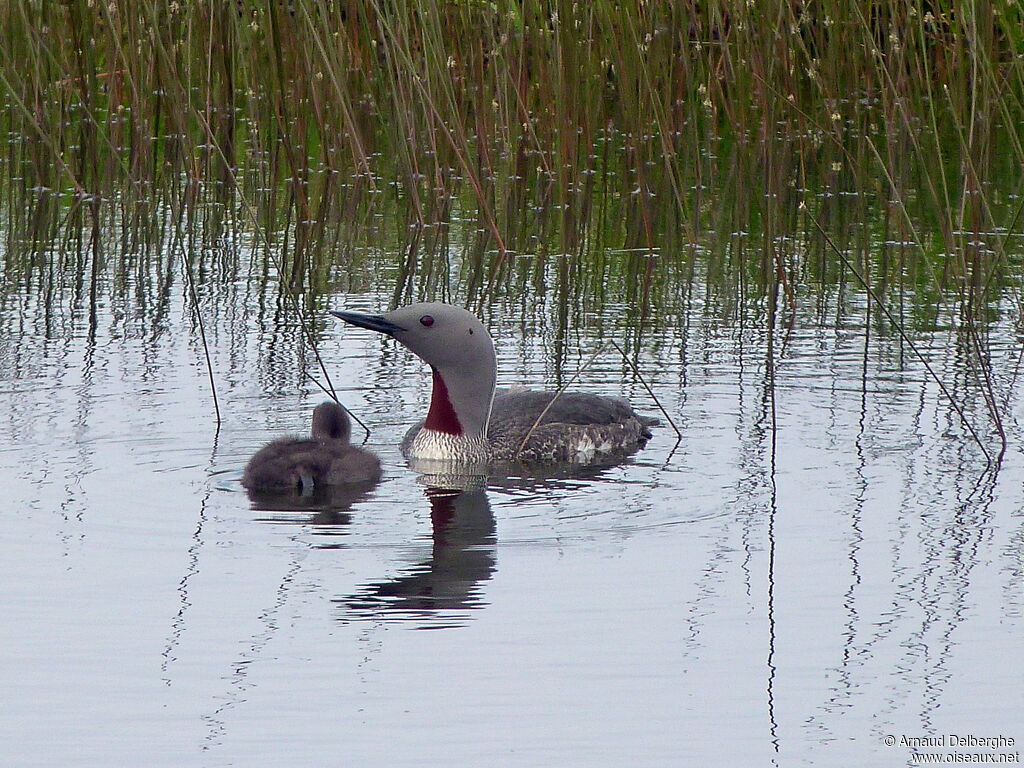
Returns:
(326, 458)
(470, 421)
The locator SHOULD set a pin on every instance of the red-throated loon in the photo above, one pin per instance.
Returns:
(325, 458)
(469, 421)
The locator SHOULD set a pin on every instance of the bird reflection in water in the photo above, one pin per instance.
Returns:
(442, 588)
(325, 506)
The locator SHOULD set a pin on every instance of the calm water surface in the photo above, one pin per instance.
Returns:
(820, 562)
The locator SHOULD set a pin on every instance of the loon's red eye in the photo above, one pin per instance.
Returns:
(427, 320)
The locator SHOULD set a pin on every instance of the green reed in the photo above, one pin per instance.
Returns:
(553, 129)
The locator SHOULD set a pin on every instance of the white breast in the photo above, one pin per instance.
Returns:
(443, 446)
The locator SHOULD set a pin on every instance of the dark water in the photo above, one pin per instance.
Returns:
(822, 560)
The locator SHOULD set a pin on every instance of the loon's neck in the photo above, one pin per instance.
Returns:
(460, 403)
(456, 425)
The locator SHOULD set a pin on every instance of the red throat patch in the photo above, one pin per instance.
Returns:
(442, 416)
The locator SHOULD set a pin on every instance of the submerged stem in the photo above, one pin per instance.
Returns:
(902, 332)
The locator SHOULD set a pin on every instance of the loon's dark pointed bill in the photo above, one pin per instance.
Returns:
(377, 323)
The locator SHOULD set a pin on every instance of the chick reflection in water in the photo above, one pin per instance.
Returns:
(463, 556)
(322, 468)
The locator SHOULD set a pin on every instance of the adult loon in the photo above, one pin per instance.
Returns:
(470, 421)
(325, 458)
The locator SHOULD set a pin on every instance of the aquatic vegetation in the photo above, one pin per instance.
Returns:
(650, 154)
